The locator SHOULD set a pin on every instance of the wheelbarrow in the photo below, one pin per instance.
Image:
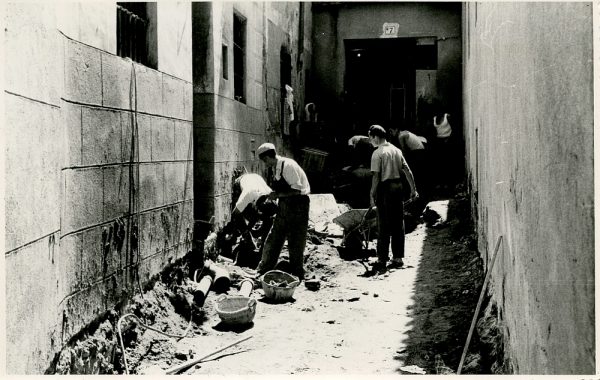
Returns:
(358, 225)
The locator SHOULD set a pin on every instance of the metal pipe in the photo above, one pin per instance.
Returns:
(483, 288)
(221, 280)
(190, 363)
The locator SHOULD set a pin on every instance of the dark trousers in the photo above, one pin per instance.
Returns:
(390, 220)
(291, 223)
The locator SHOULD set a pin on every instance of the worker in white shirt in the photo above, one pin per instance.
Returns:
(291, 188)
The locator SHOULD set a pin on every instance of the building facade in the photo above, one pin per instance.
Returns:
(124, 122)
(528, 104)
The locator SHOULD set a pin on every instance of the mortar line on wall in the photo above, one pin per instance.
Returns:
(233, 100)
(122, 164)
(225, 162)
(231, 130)
(80, 135)
(125, 216)
(31, 99)
(101, 82)
(109, 108)
(8, 253)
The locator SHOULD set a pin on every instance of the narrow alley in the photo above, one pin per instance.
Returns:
(256, 187)
(406, 321)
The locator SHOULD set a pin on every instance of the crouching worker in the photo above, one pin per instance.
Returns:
(388, 165)
(290, 187)
(251, 218)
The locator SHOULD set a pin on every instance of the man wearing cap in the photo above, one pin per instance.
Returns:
(388, 165)
(290, 187)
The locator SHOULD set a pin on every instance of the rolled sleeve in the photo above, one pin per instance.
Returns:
(376, 162)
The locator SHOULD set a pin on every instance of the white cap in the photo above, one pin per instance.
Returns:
(263, 148)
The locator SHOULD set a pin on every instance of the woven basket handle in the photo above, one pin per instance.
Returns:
(221, 297)
(252, 304)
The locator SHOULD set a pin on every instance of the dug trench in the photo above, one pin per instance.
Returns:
(409, 320)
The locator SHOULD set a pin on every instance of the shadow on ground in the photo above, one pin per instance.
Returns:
(447, 285)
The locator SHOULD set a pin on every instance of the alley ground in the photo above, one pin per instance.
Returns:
(409, 320)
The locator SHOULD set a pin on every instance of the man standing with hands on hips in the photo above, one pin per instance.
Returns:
(290, 187)
(388, 165)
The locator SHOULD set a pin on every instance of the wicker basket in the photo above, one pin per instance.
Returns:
(236, 310)
(284, 288)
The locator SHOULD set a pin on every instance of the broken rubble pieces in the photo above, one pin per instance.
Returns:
(312, 284)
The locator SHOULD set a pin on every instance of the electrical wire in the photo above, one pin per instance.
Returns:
(149, 328)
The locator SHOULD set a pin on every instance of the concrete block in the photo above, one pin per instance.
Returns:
(81, 308)
(151, 235)
(71, 114)
(34, 158)
(222, 205)
(173, 96)
(204, 209)
(204, 178)
(117, 287)
(83, 79)
(163, 139)
(145, 126)
(93, 261)
(226, 116)
(69, 264)
(34, 52)
(185, 223)
(116, 190)
(169, 221)
(127, 121)
(103, 252)
(149, 90)
(189, 183)
(204, 111)
(151, 186)
(117, 86)
(223, 183)
(184, 149)
(83, 199)
(31, 302)
(101, 136)
(188, 102)
(204, 144)
(174, 181)
(151, 266)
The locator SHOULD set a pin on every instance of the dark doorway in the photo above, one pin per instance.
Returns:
(380, 82)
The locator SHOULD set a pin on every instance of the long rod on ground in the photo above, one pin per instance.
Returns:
(190, 363)
(474, 321)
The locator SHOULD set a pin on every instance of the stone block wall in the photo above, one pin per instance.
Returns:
(528, 98)
(99, 169)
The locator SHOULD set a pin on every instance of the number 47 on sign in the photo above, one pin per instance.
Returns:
(390, 29)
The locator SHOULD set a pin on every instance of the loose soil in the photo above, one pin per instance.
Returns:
(409, 320)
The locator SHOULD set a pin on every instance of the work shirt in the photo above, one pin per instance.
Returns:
(253, 187)
(443, 129)
(410, 141)
(388, 161)
(292, 174)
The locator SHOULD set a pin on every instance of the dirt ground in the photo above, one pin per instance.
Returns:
(404, 321)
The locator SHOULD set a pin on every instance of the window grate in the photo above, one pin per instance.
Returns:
(132, 29)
